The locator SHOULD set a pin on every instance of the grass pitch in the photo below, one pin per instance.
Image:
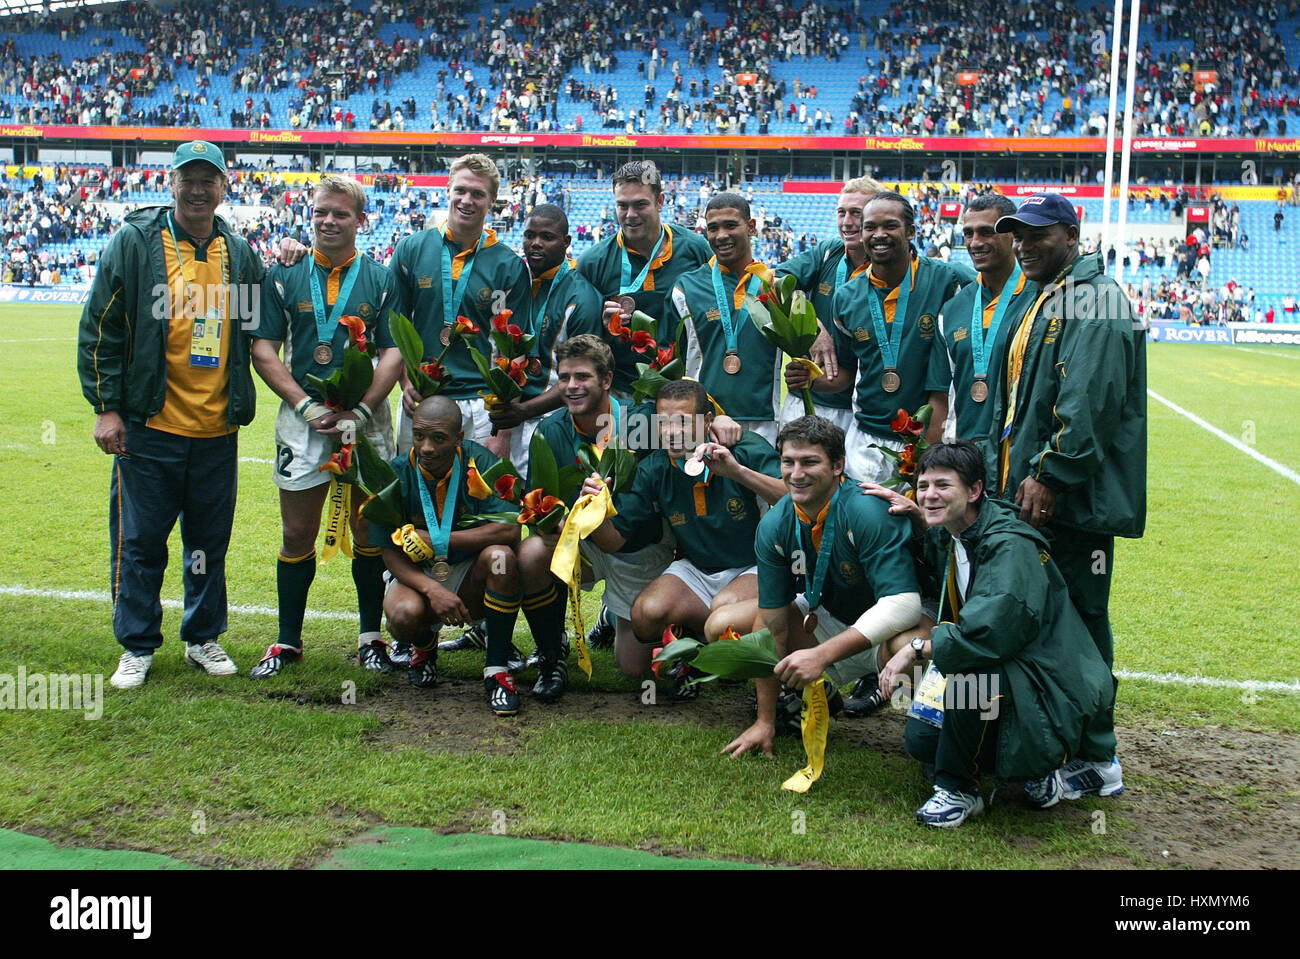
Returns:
(228, 772)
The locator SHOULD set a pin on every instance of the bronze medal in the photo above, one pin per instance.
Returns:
(445, 335)
(441, 569)
(810, 623)
(979, 391)
(627, 305)
(890, 382)
(323, 355)
(693, 466)
(731, 364)
(534, 366)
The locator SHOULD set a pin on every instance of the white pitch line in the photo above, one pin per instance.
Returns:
(254, 459)
(1173, 679)
(1285, 356)
(1272, 464)
(43, 339)
(1177, 679)
(100, 597)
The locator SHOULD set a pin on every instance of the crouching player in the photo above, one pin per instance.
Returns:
(307, 307)
(836, 578)
(710, 495)
(1025, 686)
(441, 573)
(591, 414)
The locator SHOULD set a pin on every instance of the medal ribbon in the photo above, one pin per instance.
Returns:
(724, 303)
(626, 283)
(536, 314)
(325, 326)
(978, 338)
(889, 342)
(816, 578)
(615, 425)
(842, 271)
(440, 528)
(451, 300)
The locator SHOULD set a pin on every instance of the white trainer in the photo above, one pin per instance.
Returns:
(210, 658)
(132, 670)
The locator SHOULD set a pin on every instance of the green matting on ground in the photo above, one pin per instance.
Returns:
(388, 848)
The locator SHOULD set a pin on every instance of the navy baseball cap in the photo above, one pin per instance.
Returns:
(1041, 209)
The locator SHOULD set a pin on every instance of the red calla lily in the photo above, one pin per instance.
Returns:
(904, 424)
(504, 487)
(664, 357)
(617, 329)
(641, 341)
(340, 462)
(434, 370)
(356, 328)
(464, 326)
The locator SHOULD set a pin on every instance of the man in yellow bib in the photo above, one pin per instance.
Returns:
(164, 359)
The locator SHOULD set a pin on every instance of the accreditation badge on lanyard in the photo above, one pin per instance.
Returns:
(927, 701)
(205, 334)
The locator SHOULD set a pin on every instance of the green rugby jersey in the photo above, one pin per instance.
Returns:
(870, 557)
(816, 272)
(753, 392)
(408, 474)
(498, 279)
(634, 426)
(933, 284)
(602, 266)
(714, 522)
(559, 309)
(288, 316)
(951, 360)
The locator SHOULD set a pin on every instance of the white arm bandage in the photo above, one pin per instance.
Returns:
(889, 617)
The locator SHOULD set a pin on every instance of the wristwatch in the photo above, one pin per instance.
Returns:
(918, 644)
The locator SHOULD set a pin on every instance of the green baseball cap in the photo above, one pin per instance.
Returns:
(199, 150)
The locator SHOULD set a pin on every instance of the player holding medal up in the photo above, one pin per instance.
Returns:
(722, 348)
(309, 308)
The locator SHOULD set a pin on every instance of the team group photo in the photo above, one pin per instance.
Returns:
(813, 466)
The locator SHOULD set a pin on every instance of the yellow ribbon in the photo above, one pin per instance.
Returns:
(584, 518)
(815, 723)
(814, 371)
(337, 532)
(412, 545)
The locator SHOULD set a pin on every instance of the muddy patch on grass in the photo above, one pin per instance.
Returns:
(1194, 797)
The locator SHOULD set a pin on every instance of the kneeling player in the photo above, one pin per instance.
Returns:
(835, 575)
(302, 306)
(440, 572)
(1025, 685)
(710, 496)
(591, 414)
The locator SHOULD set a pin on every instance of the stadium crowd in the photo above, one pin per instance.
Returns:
(1027, 69)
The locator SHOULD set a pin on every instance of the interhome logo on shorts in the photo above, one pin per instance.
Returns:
(242, 302)
(79, 691)
(982, 691)
(645, 432)
(78, 913)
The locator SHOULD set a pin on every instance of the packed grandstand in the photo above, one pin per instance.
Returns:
(781, 102)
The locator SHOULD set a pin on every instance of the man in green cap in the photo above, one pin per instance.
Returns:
(164, 360)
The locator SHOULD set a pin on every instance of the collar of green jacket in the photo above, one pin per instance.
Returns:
(1086, 267)
(998, 517)
(149, 218)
